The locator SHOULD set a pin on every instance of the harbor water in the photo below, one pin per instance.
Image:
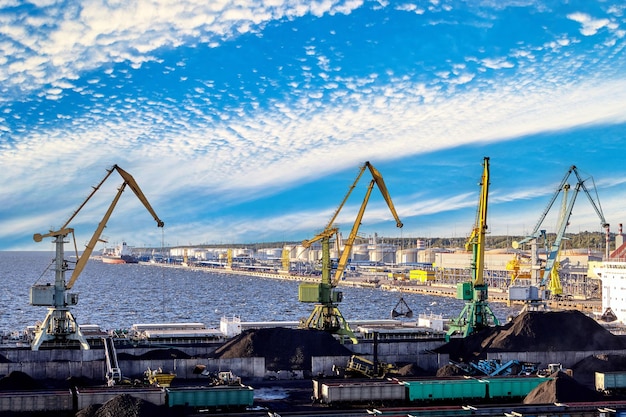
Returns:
(116, 296)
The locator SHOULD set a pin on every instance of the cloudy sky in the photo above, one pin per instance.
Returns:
(247, 121)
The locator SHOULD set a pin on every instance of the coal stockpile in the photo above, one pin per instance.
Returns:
(450, 370)
(561, 388)
(584, 371)
(282, 348)
(156, 354)
(124, 405)
(17, 380)
(536, 331)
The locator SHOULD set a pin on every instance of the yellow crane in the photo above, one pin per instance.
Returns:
(326, 315)
(477, 314)
(60, 324)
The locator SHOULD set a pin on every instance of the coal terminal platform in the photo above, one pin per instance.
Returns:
(554, 358)
(275, 358)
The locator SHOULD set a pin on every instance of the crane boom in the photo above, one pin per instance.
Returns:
(561, 187)
(476, 240)
(128, 180)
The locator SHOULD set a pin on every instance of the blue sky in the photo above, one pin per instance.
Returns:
(247, 121)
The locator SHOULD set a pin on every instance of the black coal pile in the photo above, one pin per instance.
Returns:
(561, 388)
(536, 331)
(124, 405)
(282, 348)
(156, 354)
(411, 369)
(17, 380)
(450, 370)
(584, 370)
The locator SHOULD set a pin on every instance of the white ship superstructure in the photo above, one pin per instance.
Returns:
(612, 272)
(613, 276)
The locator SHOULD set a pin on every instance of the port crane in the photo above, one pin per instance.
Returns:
(535, 296)
(477, 314)
(60, 324)
(326, 315)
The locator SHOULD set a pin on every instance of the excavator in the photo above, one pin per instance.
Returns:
(535, 296)
(477, 314)
(60, 324)
(326, 315)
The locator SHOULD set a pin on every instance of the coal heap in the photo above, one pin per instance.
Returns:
(156, 354)
(584, 370)
(282, 348)
(450, 370)
(17, 380)
(537, 331)
(123, 405)
(559, 389)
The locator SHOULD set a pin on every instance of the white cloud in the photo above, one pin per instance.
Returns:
(129, 31)
(590, 26)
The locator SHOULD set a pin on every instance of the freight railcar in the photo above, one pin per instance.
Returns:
(36, 401)
(423, 391)
(611, 382)
(215, 397)
(90, 396)
(359, 392)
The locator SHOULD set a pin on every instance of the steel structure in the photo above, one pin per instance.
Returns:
(326, 315)
(60, 324)
(477, 314)
(535, 296)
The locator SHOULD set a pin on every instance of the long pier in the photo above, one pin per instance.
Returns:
(496, 295)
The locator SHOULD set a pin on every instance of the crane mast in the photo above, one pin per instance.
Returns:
(477, 314)
(60, 324)
(326, 315)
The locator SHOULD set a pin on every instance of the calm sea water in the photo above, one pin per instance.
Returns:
(118, 296)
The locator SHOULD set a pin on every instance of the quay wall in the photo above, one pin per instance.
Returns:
(94, 368)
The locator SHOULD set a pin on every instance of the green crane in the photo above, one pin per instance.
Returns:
(477, 314)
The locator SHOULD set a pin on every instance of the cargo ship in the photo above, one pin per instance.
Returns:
(122, 254)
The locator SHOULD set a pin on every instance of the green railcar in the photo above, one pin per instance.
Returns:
(445, 389)
(513, 387)
(224, 396)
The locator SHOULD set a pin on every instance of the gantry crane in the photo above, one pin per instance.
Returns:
(536, 295)
(477, 314)
(59, 324)
(326, 315)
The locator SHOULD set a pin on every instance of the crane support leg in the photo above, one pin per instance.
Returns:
(327, 317)
(59, 323)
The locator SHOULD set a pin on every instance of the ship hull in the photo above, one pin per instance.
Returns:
(119, 260)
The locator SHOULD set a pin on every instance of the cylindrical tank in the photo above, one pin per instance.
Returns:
(407, 256)
(360, 253)
(382, 252)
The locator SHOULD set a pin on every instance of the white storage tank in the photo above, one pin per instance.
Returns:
(382, 252)
(407, 256)
(360, 253)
